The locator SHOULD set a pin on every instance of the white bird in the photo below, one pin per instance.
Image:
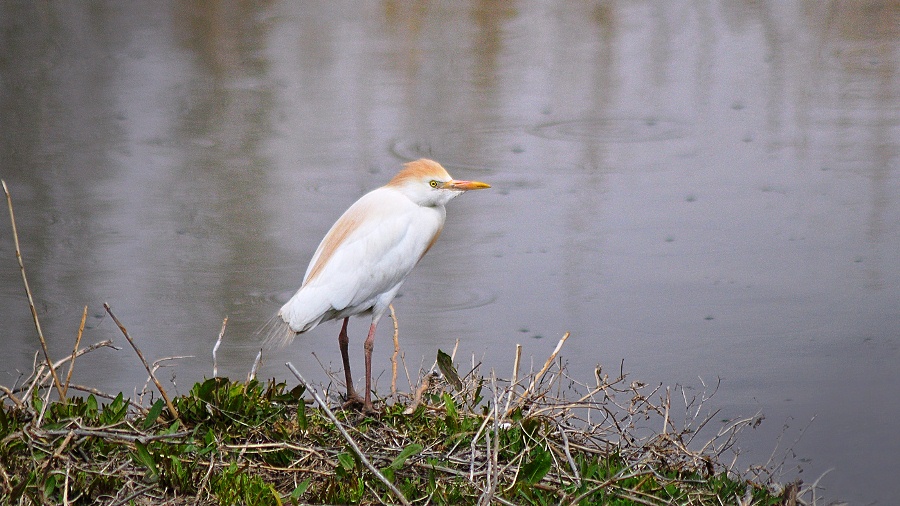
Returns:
(363, 260)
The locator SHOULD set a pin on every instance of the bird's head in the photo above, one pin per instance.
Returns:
(426, 183)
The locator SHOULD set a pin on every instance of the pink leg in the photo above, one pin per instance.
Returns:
(353, 398)
(369, 345)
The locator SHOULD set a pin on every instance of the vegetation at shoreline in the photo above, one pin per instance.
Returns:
(540, 439)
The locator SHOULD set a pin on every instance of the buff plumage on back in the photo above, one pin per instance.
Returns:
(339, 232)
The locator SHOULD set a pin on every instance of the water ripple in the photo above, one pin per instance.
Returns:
(472, 149)
(613, 130)
(444, 299)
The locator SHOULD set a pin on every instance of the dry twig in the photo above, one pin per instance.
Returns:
(252, 374)
(34, 315)
(216, 348)
(396, 350)
(537, 377)
(140, 355)
(349, 439)
(75, 350)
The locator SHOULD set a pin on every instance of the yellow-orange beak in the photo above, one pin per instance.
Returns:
(455, 184)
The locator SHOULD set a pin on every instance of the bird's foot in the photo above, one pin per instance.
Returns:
(354, 401)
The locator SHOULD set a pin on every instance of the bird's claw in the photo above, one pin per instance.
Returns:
(357, 403)
(353, 401)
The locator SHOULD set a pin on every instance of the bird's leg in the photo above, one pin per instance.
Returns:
(353, 398)
(369, 345)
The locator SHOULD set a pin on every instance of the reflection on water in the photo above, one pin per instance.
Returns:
(701, 189)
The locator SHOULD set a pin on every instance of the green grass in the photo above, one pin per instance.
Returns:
(259, 443)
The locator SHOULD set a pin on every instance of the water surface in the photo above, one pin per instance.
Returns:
(705, 190)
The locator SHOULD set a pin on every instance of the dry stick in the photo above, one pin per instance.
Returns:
(507, 410)
(515, 377)
(75, 351)
(406, 369)
(489, 486)
(417, 398)
(496, 453)
(66, 484)
(666, 418)
(473, 445)
(155, 367)
(34, 315)
(455, 347)
(252, 374)
(565, 440)
(98, 393)
(121, 435)
(106, 343)
(815, 485)
(537, 377)
(609, 482)
(205, 481)
(396, 350)
(46, 467)
(134, 495)
(12, 397)
(40, 376)
(146, 365)
(7, 487)
(347, 437)
(492, 473)
(216, 347)
(44, 405)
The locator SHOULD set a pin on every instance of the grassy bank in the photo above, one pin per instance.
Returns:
(536, 438)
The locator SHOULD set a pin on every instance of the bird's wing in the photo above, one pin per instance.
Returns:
(371, 248)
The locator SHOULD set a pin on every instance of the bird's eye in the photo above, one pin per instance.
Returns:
(433, 183)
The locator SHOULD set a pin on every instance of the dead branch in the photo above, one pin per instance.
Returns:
(396, 350)
(216, 348)
(34, 315)
(349, 439)
(75, 350)
(140, 355)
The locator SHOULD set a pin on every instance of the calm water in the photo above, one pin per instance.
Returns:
(701, 189)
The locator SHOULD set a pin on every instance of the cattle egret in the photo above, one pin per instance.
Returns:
(368, 253)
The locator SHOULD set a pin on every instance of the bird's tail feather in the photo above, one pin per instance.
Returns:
(276, 333)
